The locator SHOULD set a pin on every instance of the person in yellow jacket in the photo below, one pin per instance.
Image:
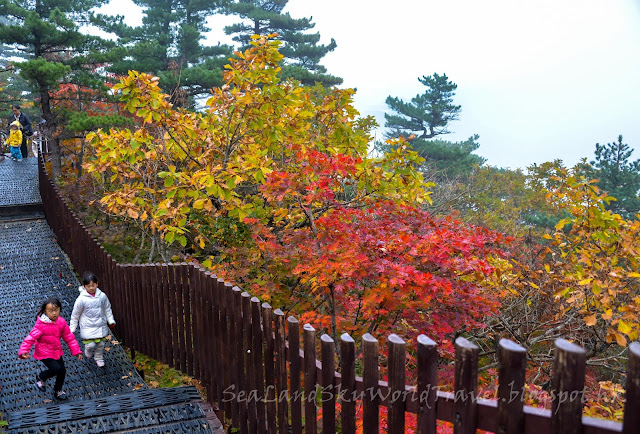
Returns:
(15, 140)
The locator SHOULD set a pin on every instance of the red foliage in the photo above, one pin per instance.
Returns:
(390, 266)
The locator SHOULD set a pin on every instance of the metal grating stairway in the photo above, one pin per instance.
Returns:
(101, 400)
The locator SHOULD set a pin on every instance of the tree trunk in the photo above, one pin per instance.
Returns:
(51, 127)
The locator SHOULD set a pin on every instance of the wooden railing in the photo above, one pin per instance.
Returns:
(248, 356)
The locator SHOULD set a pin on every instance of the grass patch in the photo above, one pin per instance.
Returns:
(158, 375)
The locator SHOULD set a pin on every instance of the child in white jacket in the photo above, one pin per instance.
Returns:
(92, 312)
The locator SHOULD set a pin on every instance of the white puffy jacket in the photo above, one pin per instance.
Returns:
(93, 313)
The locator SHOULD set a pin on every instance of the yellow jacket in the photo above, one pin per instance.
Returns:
(15, 138)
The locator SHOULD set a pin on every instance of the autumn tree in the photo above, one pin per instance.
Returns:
(578, 281)
(509, 201)
(301, 50)
(273, 188)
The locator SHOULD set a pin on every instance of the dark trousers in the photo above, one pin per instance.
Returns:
(55, 368)
(23, 148)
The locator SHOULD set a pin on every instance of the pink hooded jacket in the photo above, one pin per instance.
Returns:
(46, 335)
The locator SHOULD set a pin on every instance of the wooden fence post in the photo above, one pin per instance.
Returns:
(631, 423)
(294, 375)
(512, 363)
(269, 367)
(567, 388)
(258, 363)
(328, 353)
(250, 369)
(427, 385)
(310, 410)
(466, 385)
(281, 374)
(348, 384)
(370, 381)
(240, 368)
(231, 363)
(397, 379)
(167, 341)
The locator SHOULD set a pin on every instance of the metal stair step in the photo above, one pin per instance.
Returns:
(137, 409)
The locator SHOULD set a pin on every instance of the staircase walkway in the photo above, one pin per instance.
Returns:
(101, 400)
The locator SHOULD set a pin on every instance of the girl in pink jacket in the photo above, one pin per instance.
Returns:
(46, 334)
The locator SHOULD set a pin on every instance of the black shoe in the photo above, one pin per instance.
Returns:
(40, 384)
(60, 395)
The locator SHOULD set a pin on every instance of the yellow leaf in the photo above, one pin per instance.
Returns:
(198, 204)
(633, 274)
(625, 327)
(621, 340)
(585, 281)
(590, 320)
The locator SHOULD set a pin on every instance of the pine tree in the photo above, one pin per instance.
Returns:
(302, 51)
(428, 114)
(48, 33)
(449, 159)
(168, 44)
(425, 117)
(15, 89)
(618, 176)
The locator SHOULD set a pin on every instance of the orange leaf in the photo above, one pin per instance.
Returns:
(590, 320)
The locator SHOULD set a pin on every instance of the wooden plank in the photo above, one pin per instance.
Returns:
(125, 320)
(512, 363)
(166, 338)
(294, 375)
(198, 319)
(348, 384)
(180, 309)
(187, 270)
(213, 332)
(567, 388)
(328, 351)
(143, 300)
(370, 382)
(269, 367)
(146, 317)
(174, 295)
(230, 359)
(310, 408)
(258, 363)
(281, 373)
(250, 369)
(631, 422)
(155, 285)
(427, 355)
(239, 367)
(397, 379)
(210, 334)
(466, 386)
(135, 305)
